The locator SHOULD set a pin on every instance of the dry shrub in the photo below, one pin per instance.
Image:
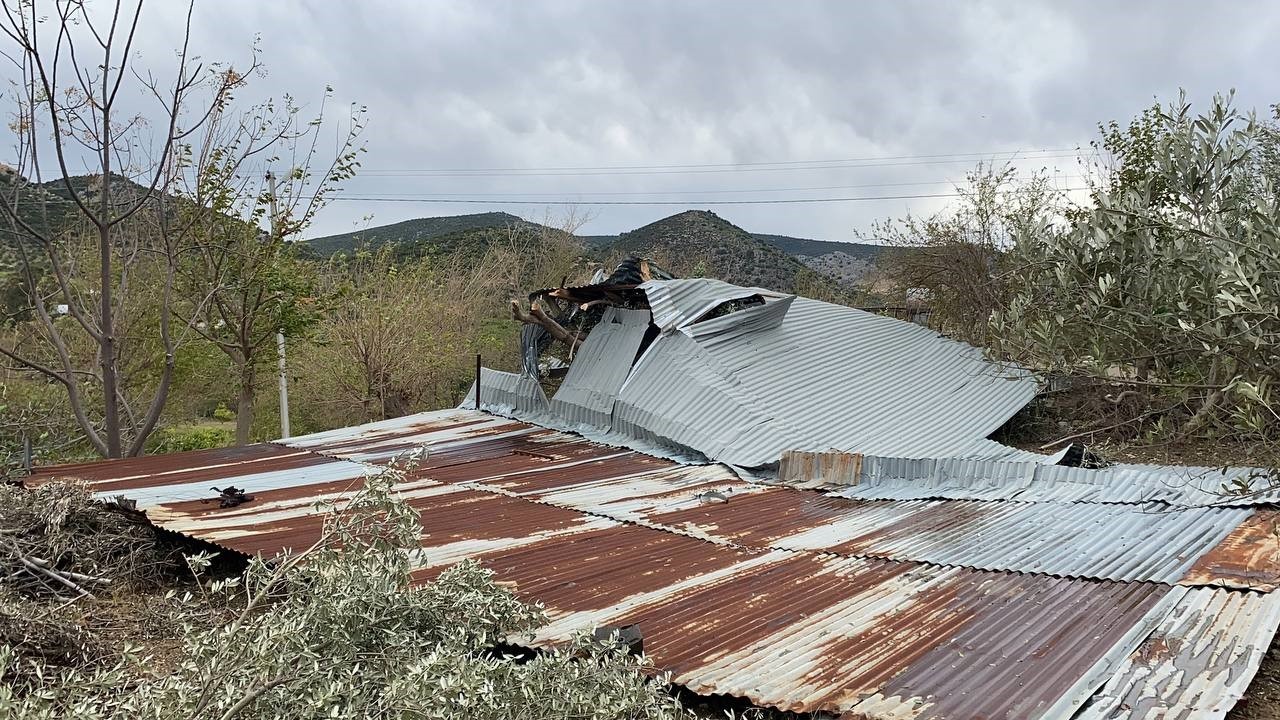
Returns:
(63, 527)
(48, 634)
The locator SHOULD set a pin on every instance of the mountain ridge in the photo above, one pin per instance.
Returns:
(689, 243)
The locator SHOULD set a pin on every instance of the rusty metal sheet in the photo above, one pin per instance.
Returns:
(387, 439)
(1249, 557)
(742, 589)
(158, 479)
(818, 469)
(194, 466)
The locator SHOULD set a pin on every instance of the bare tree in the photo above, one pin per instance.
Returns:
(157, 187)
(73, 66)
(244, 284)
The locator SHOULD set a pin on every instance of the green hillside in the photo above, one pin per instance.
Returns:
(410, 235)
(694, 243)
(699, 243)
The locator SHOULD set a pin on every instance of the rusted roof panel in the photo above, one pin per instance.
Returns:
(156, 479)
(1249, 557)
(792, 598)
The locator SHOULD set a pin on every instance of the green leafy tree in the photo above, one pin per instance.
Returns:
(241, 284)
(1169, 287)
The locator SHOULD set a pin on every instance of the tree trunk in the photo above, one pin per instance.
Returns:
(244, 404)
(107, 345)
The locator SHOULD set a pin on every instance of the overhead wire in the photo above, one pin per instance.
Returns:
(571, 193)
(784, 166)
(687, 201)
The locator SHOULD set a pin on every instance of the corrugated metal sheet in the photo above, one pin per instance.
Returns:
(676, 303)
(1249, 557)
(1115, 542)
(157, 479)
(792, 374)
(891, 478)
(843, 379)
(600, 367)
(1198, 661)
(739, 588)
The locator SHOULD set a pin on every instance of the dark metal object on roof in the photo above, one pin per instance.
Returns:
(231, 496)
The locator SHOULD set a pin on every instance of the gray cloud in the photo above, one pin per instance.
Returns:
(593, 83)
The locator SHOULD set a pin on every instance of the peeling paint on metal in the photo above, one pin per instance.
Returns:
(796, 599)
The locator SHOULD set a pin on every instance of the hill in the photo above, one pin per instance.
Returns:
(804, 247)
(691, 243)
(847, 262)
(411, 234)
(698, 243)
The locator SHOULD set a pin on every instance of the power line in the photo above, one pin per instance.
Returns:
(567, 193)
(754, 164)
(778, 201)
(791, 166)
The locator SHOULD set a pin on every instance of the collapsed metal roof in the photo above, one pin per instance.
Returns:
(1014, 603)
(783, 373)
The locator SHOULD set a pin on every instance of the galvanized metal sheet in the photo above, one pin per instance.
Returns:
(896, 478)
(599, 368)
(793, 374)
(1198, 661)
(676, 303)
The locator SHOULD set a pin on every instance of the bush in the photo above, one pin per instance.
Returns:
(182, 438)
(223, 413)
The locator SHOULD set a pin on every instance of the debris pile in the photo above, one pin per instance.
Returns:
(58, 540)
(571, 312)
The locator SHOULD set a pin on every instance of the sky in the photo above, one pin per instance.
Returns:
(704, 102)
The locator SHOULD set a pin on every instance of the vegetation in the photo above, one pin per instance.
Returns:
(957, 261)
(1155, 303)
(421, 236)
(699, 243)
(1166, 287)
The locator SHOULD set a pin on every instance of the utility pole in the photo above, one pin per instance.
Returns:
(280, 361)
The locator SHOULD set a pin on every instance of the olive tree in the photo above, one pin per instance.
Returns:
(1169, 286)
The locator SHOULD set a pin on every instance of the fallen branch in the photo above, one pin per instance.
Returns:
(536, 316)
(53, 575)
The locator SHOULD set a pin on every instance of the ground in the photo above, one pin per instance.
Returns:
(1262, 700)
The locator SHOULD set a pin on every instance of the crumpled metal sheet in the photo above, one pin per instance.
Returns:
(791, 374)
(1198, 661)
(599, 368)
(676, 303)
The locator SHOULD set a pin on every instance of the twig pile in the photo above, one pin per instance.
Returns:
(57, 540)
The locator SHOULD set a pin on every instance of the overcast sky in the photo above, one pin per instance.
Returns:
(600, 84)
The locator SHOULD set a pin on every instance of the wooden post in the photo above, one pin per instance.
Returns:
(477, 381)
